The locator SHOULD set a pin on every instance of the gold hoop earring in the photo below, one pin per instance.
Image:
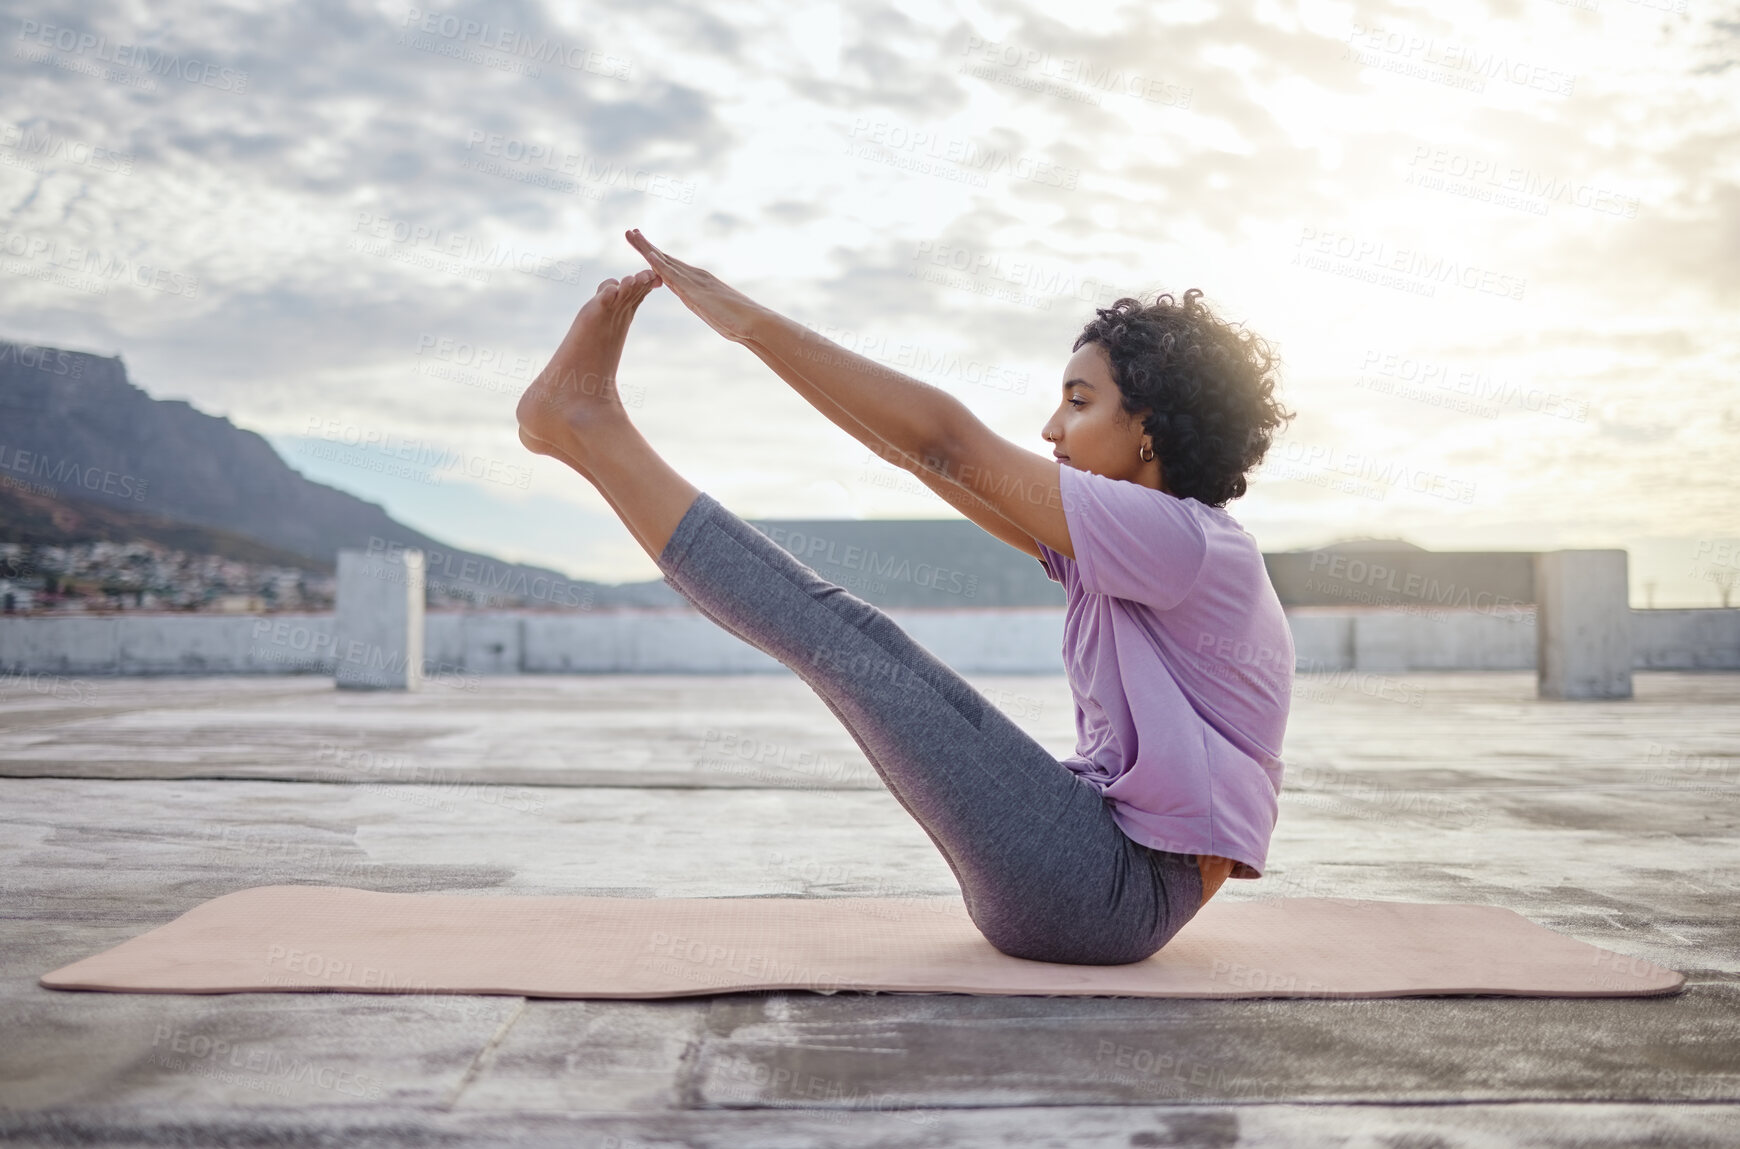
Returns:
(1145, 453)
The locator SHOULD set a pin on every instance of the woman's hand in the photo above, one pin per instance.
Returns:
(723, 308)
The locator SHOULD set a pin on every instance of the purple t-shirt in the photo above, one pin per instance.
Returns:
(1181, 663)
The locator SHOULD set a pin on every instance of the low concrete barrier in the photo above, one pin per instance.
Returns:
(1014, 640)
(1387, 641)
(1685, 639)
(168, 644)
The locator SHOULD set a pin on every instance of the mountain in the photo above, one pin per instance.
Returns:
(31, 517)
(72, 427)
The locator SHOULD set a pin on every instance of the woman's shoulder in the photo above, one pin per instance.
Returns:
(1217, 519)
(1104, 490)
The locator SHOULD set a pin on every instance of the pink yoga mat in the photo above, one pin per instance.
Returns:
(310, 938)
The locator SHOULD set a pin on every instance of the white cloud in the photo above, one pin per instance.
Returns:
(824, 160)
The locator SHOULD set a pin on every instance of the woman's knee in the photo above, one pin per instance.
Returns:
(867, 654)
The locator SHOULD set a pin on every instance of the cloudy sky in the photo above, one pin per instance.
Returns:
(1498, 246)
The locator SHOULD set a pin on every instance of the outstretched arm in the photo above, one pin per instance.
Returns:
(963, 500)
(923, 425)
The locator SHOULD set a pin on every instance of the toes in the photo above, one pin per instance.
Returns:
(636, 287)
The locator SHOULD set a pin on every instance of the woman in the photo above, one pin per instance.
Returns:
(1178, 654)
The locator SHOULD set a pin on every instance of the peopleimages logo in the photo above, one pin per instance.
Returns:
(543, 164)
(810, 548)
(33, 147)
(254, 1065)
(1508, 185)
(462, 34)
(489, 579)
(1445, 61)
(44, 359)
(1086, 75)
(425, 460)
(387, 234)
(89, 269)
(1414, 270)
(1366, 475)
(67, 473)
(156, 61)
(1476, 391)
(1375, 575)
(967, 156)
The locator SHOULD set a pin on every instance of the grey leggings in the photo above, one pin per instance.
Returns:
(1045, 872)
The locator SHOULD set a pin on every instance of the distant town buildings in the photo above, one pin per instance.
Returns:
(107, 576)
(99, 577)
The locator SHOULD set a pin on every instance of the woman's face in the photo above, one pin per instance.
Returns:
(1090, 430)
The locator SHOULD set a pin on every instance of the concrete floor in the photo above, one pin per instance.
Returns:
(126, 802)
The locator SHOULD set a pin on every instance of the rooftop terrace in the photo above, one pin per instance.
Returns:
(128, 801)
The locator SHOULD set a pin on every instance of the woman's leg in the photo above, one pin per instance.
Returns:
(1045, 872)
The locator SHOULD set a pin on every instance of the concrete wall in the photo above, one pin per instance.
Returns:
(1009, 641)
(1342, 576)
(1388, 641)
(1685, 639)
(167, 644)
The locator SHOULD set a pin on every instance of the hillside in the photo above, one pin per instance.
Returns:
(85, 450)
(46, 520)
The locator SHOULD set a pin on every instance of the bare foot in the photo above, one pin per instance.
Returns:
(575, 398)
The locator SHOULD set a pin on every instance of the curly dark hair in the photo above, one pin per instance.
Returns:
(1208, 388)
